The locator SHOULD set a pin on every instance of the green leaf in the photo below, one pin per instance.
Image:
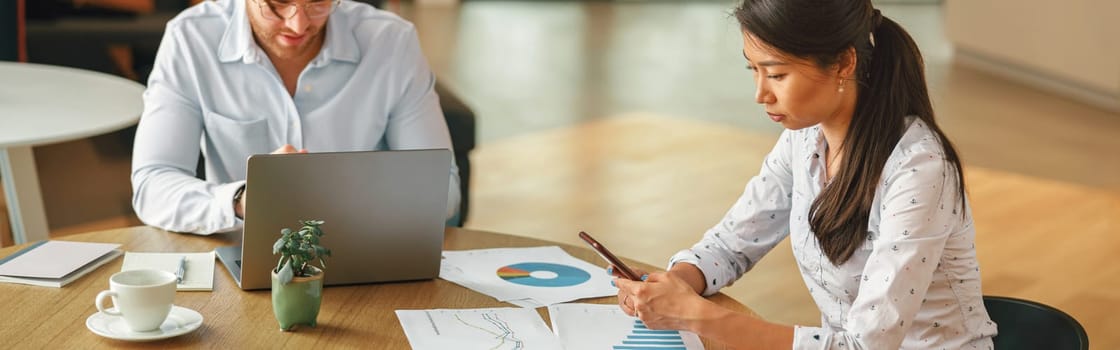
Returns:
(276, 247)
(285, 275)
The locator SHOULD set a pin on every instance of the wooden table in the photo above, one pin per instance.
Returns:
(351, 316)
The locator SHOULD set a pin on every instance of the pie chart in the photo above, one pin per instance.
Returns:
(541, 274)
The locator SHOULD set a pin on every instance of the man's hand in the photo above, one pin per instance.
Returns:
(288, 149)
(239, 207)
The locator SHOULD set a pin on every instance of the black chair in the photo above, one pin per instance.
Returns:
(1024, 324)
(461, 123)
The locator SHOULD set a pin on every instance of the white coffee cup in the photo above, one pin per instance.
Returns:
(142, 297)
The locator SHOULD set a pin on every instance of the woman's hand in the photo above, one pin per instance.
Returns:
(614, 272)
(662, 301)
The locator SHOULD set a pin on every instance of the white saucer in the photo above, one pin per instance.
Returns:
(180, 321)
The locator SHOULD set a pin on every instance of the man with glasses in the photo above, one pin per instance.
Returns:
(235, 78)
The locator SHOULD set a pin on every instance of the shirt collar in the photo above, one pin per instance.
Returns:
(237, 42)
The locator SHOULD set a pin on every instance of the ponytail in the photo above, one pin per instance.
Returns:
(893, 86)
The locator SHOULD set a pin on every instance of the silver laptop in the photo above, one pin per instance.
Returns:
(384, 213)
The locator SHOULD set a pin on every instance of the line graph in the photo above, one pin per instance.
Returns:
(503, 331)
(482, 329)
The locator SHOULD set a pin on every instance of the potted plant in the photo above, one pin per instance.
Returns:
(297, 286)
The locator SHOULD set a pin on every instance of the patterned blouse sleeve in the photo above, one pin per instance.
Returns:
(918, 203)
(757, 221)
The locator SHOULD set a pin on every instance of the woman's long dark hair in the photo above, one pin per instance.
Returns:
(892, 86)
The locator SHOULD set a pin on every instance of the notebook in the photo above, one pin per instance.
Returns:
(55, 263)
(198, 272)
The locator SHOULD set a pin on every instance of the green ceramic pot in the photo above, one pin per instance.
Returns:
(297, 303)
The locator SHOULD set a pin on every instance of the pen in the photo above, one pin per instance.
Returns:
(182, 270)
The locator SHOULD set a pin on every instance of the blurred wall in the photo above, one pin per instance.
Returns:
(9, 30)
(1070, 47)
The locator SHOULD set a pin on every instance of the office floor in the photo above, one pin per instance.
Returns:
(635, 121)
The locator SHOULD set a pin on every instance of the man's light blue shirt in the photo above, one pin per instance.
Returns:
(214, 89)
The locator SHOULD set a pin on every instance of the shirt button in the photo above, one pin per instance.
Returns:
(307, 88)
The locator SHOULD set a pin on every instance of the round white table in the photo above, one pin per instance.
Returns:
(42, 104)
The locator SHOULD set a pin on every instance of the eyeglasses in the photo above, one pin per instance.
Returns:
(286, 9)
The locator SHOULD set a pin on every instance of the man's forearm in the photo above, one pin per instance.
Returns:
(179, 202)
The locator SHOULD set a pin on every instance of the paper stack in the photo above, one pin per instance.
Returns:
(526, 277)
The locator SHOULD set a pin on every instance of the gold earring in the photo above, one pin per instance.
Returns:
(841, 89)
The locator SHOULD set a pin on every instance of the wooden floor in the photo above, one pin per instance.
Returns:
(635, 121)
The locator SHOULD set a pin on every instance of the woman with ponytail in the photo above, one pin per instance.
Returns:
(864, 183)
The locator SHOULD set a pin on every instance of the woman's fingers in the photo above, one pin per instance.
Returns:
(624, 304)
(626, 296)
(614, 272)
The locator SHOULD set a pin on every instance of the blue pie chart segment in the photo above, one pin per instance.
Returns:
(555, 275)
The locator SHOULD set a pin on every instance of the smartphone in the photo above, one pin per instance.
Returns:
(610, 258)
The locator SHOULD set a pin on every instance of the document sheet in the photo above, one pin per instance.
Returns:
(497, 329)
(593, 326)
(526, 277)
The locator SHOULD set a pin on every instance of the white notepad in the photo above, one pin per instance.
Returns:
(199, 274)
